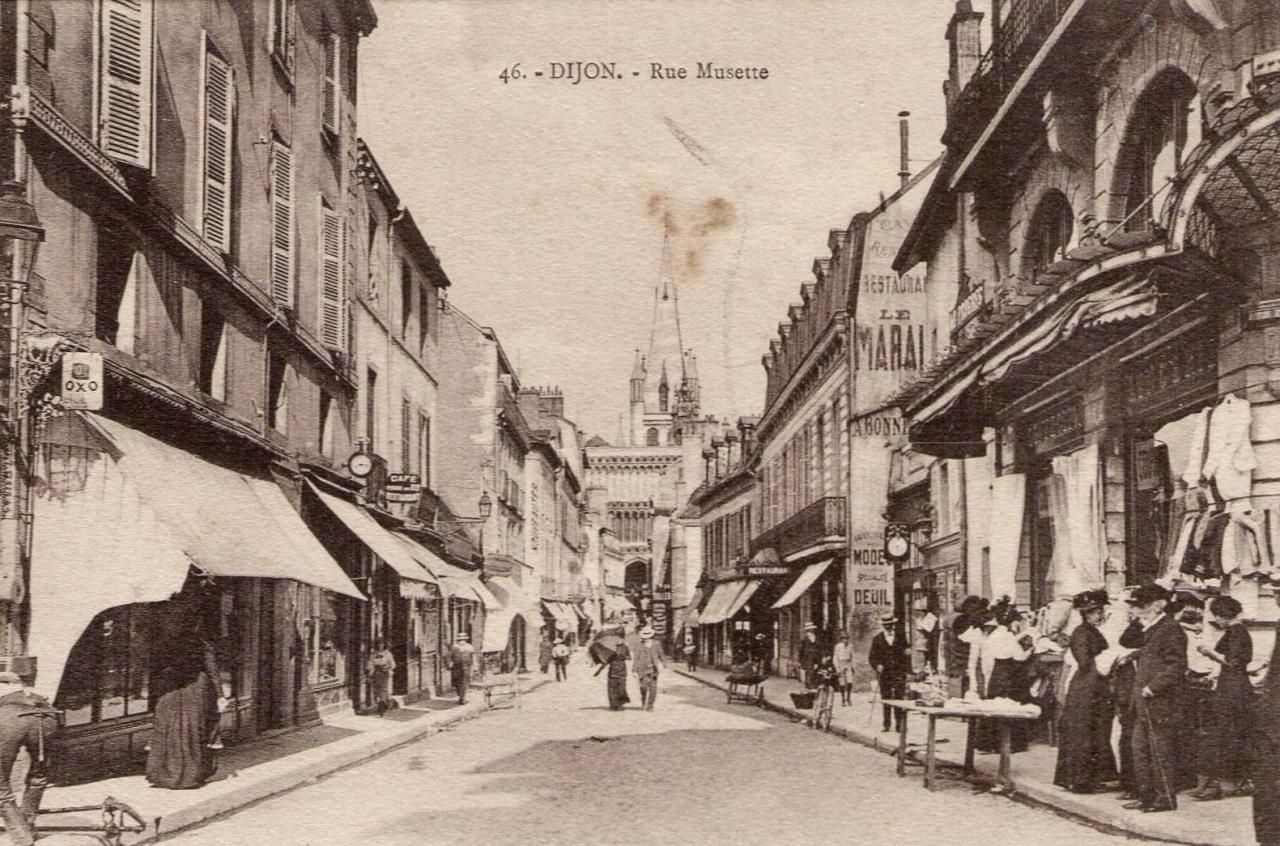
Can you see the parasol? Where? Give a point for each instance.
(603, 645)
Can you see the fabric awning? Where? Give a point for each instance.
(1132, 297)
(721, 598)
(453, 582)
(513, 603)
(565, 620)
(617, 605)
(803, 582)
(577, 610)
(380, 541)
(748, 590)
(116, 523)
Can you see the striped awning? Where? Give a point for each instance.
(803, 582)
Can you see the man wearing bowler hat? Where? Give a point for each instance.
(1157, 686)
(891, 662)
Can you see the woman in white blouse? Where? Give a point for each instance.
(1005, 652)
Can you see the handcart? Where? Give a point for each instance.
(118, 819)
(747, 688)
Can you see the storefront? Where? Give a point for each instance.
(153, 568)
(510, 627)
(815, 595)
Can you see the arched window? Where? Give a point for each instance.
(1165, 126)
(663, 394)
(651, 437)
(1048, 235)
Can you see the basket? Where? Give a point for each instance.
(804, 701)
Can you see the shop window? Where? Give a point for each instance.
(1164, 128)
(213, 353)
(116, 296)
(326, 633)
(1048, 235)
(108, 673)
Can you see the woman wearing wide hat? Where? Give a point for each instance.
(1085, 759)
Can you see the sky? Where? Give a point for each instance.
(548, 203)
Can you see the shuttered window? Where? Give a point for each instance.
(332, 88)
(126, 85)
(282, 37)
(282, 224)
(333, 294)
(219, 109)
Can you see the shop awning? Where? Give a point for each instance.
(380, 541)
(565, 619)
(748, 590)
(118, 522)
(803, 582)
(512, 603)
(721, 598)
(453, 582)
(617, 606)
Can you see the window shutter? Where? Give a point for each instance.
(282, 224)
(332, 295)
(332, 89)
(126, 84)
(219, 106)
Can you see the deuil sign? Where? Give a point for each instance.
(82, 381)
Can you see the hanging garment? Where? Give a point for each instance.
(1079, 548)
(1230, 459)
(1193, 472)
(1008, 504)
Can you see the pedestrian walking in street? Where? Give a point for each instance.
(382, 665)
(184, 726)
(1229, 728)
(544, 654)
(811, 653)
(560, 655)
(646, 664)
(617, 676)
(1157, 695)
(890, 661)
(1085, 759)
(690, 652)
(25, 723)
(462, 657)
(1265, 747)
(842, 658)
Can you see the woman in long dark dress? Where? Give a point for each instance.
(1265, 742)
(618, 677)
(184, 729)
(1085, 759)
(1232, 701)
(1010, 677)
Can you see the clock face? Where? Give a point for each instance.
(897, 546)
(360, 464)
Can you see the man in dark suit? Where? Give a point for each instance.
(1157, 687)
(891, 662)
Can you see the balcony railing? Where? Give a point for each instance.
(973, 307)
(822, 520)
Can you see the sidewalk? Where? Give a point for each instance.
(1227, 822)
(266, 766)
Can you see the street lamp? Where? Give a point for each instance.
(20, 238)
(485, 507)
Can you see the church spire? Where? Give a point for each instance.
(665, 361)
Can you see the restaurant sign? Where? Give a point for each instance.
(403, 487)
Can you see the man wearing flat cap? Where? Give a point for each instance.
(891, 661)
(1157, 687)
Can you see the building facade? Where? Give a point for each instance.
(1114, 282)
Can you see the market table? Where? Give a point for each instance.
(1004, 722)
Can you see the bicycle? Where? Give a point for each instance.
(118, 819)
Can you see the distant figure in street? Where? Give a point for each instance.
(560, 655)
(646, 663)
(461, 658)
(617, 677)
(690, 652)
(1157, 701)
(811, 653)
(842, 659)
(26, 720)
(184, 730)
(381, 666)
(890, 660)
(1085, 759)
(544, 655)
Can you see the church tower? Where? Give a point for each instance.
(635, 435)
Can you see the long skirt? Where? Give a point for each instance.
(618, 686)
(1230, 751)
(1009, 679)
(182, 728)
(1085, 758)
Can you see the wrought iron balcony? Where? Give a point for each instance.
(972, 308)
(824, 520)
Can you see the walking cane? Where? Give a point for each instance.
(1168, 791)
(875, 697)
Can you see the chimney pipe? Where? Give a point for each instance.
(904, 131)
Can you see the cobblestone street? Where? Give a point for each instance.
(564, 769)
